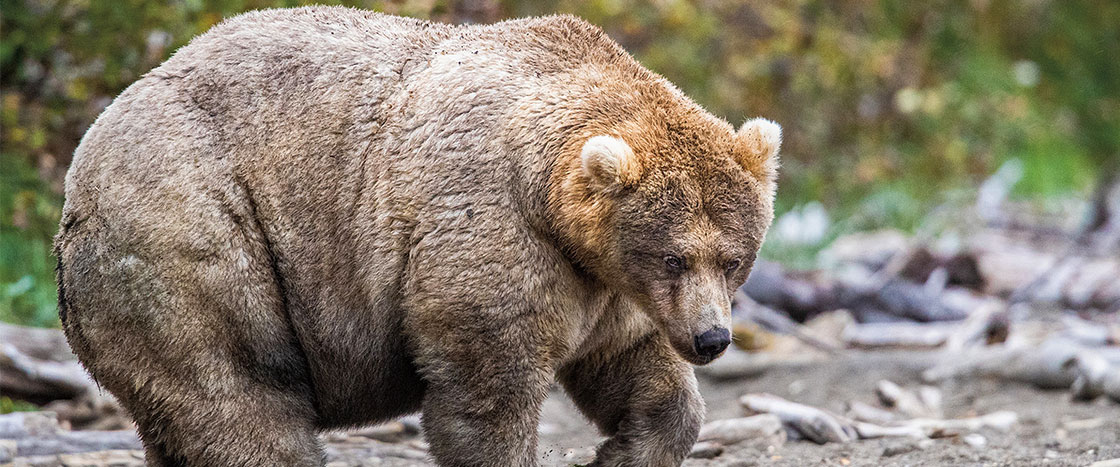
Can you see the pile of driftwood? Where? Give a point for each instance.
(995, 298)
(913, 414)
(883, 276)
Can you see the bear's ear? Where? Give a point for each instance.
(608, 160)
(756, 147)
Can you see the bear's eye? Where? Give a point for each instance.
(733, 265)
(674, 263)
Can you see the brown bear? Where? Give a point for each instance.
(319, 218)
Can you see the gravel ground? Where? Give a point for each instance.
(1052, 429)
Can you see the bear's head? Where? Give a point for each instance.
(673, 218)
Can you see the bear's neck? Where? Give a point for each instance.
(556, 199)
(546, 134)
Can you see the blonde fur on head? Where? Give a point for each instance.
(608, 160)
(759, 142)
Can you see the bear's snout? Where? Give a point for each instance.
(712, 342)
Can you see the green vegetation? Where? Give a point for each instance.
(9, 405)
(30, 211)
(889, 108)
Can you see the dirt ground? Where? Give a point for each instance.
(1052, 430)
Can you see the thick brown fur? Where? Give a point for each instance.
(323, 217)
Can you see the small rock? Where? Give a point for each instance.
(975, 440)
(796, 387)
(750, 336)
(705, 450)
(411, 424)
(579, 455)
(906, 446)
(899, 449)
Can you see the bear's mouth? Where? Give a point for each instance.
(701, 360)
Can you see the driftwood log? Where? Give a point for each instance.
(988, 324)
(868, 296)
(40, 381)
(815, 424)
(1095, 375)
(923, 403)
(734, 430)
(1058, 363)
(36, 366)
(822, 426)
(41, 434)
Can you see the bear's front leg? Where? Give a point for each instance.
(486, 381)
(645, 398)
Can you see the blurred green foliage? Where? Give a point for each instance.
(30, 212)
(9, 405)
(888, 106)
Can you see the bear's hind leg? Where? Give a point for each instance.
(644, 398)
(157, 455)
(197, 350)
(187, 428)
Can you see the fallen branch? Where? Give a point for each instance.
(822, 426)
(936, 427)
(734, 430)
(36, 365)
(898, 335)
(925, 403)
(868, 413)
(39, 433)
(866, 294)
(815, 424)
(37, 380)
(1043, 366)
(39, 343)
(1095, 376)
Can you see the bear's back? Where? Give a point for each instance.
(259, 46)
(293, 103)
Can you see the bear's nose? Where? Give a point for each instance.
(712, 342)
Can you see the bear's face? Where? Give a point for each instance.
(684, 227)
